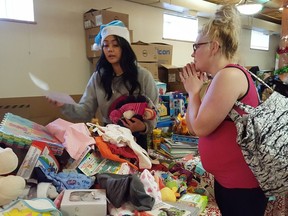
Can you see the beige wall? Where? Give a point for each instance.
(54, 48)
(250, 57)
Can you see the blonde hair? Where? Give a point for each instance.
(225, 28)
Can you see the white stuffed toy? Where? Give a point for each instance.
(46, 190)
(11, 186)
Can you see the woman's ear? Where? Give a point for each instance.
(215, 47)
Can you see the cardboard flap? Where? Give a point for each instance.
(140, 43)
(167, 66)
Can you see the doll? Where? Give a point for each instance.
(132, 107)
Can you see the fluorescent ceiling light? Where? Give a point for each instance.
(249, 9)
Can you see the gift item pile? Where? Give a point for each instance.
(63, 168)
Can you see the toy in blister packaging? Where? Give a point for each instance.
(179, 103)
(180, 125)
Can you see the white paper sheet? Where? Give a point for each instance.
(56, 96)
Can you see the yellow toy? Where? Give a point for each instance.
(180, 125)
(11, 186)
(167, 194)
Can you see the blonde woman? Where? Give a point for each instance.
(237, 191)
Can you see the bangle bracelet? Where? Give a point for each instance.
(145, 130)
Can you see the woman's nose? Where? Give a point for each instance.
(110, 48)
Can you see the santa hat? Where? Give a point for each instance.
(116, 27)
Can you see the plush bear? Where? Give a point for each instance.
(11, 186)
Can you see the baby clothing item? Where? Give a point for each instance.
(36, 206)
(125, 152)
(150, 185)
(66, 180)
(126, 209)
(75, 137)
(106, 152)
(116, 134)
(58, 127)
(123, 188)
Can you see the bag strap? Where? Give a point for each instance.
(234, 115)
(252, 74)
(245, 107)
(260, 80)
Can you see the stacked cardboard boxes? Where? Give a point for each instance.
(167, 73)
(152, 55)
(164, 53)
(146, 56)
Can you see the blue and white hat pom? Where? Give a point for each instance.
(116, 27)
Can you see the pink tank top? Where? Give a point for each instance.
(221, 155)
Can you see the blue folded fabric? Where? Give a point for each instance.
(69, 180)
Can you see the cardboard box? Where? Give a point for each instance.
(84, 202)
(194, 200)
(145, 52)
(90, 35)
(94, 18)
(36, 109)
(178, 87)
(152, 67)
(164, 53)
(170, 74)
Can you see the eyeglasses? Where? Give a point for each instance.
(197, 45)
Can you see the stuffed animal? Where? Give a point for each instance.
(46, 190)
(130, 107)
(39, 190)
(11, 186)
(167, 194)
(145, 114)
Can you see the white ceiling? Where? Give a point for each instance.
(202, 8)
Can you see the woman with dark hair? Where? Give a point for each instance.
(117, 76)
